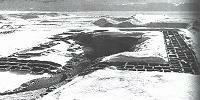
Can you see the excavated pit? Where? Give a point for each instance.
(95, 46)
(101, 44)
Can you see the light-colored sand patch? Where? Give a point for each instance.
(150, 18)
(154, 46)
(11, 81)
(21, 40)
(57, 54)
(125, 85)
(30, 95)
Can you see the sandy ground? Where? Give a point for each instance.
(30, 95)
(126, 85)
(107, 83)
(11, 81)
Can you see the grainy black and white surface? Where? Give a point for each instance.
(99, 49)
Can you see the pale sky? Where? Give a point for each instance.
(77, 5)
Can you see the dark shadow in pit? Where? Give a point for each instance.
(97, 45)
(101, 44)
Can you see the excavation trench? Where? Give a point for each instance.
(98, 45)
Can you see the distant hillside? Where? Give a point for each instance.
(93, 5)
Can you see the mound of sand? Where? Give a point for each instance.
(126, 24)
(121, 19)
(103, 23)
(123, 24)
(49, 14)
(123, 58)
